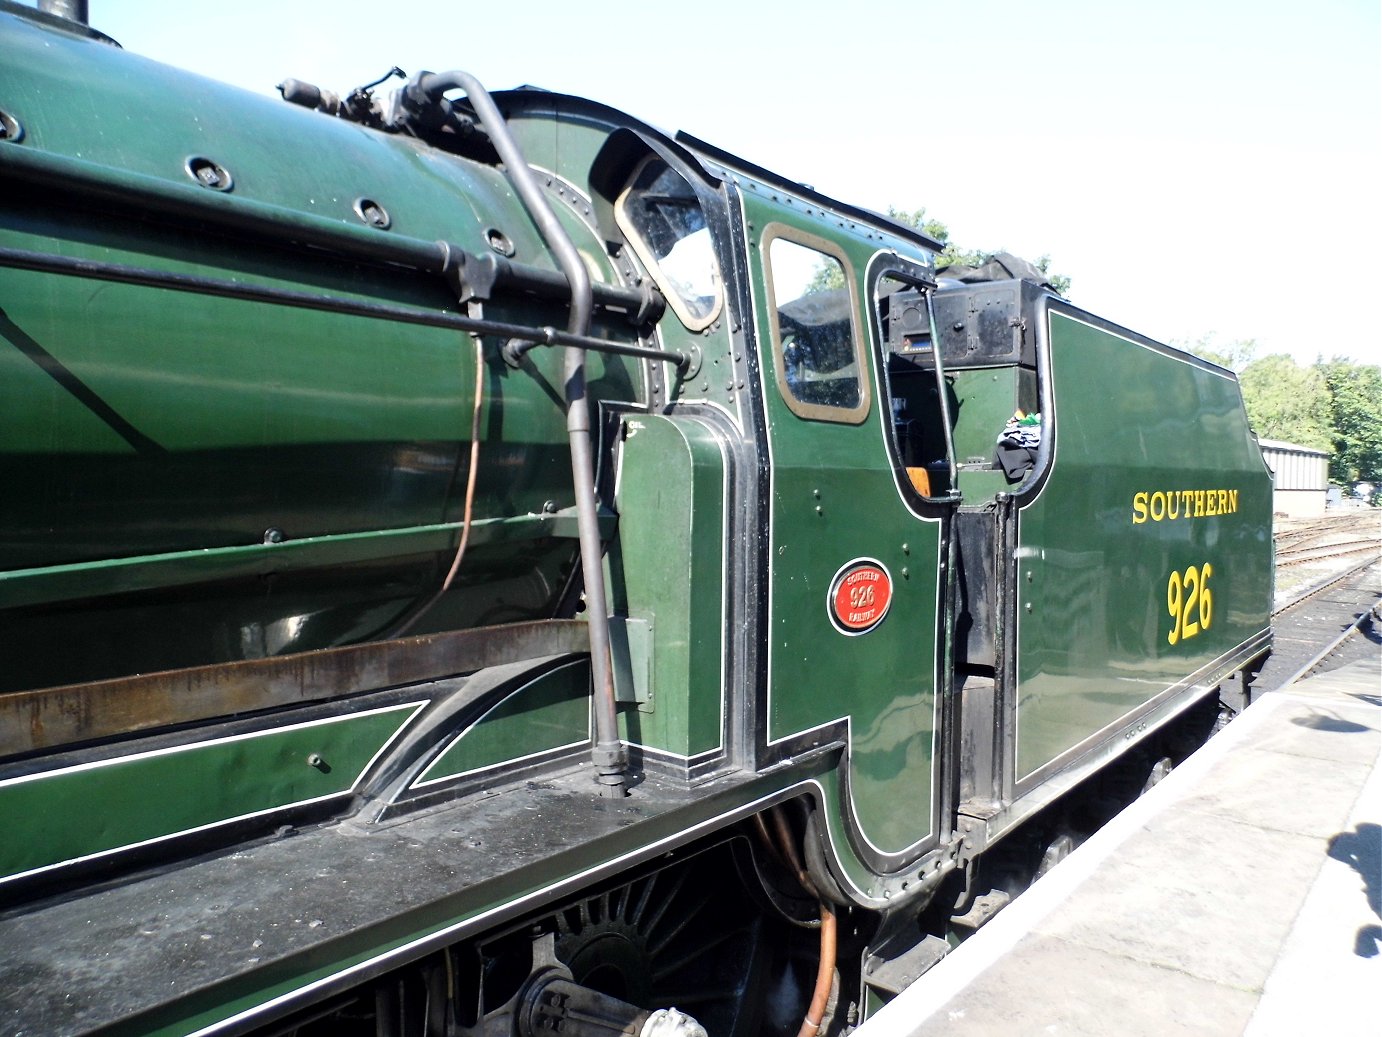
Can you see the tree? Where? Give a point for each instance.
(1287, 401)
(1060, 282)
(1355, 411)
(917, 218)
(1233, 355)
(1334, 405)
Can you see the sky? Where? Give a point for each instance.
(1198, 168)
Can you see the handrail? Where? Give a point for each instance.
(611, 761)
(523, 333)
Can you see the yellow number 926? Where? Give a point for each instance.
(1190, 602)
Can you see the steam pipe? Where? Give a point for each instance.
(611, 762)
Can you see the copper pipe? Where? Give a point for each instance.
(760, 827)
(788, 847)
(410, 620)
(825, 975)
(474, 465)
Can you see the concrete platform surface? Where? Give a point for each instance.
(1239, 896)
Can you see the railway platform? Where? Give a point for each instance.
(1238, 896)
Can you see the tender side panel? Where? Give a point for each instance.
(1144, 562)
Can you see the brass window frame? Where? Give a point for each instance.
(650, 263)
(859, 413)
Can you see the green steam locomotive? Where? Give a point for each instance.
(479, 564)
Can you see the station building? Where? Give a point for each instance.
(1301, 478)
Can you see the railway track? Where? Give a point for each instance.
(1315, 620)
(1298, 555)
(1291, 537)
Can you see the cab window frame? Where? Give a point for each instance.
(809, 410)
(921, 278)
(648, 257)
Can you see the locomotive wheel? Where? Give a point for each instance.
(686, 936)
(683, 934)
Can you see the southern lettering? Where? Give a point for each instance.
(1167, 505)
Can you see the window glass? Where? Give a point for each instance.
(666, 225)
(817, 346)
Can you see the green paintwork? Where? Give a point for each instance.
(835, 499)
(982, 485)
(155, 439)
(548, 713)
(667, 569)
(631, 652)
(1092, 584)
(111, 107)
(124, 575)
(985, 399)
(95, 808)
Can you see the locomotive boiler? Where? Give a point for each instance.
(480, 564)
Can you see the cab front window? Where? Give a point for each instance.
(665, 223)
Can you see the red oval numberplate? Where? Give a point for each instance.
(859, 596)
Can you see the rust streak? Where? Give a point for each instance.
(49, 717)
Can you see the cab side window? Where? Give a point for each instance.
(818, 349)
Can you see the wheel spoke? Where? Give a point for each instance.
(685, 918)
(666, 966)
(637, 917)
(666, 902)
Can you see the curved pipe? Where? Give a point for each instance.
(611, 762)
(514, 351)
(787, 847)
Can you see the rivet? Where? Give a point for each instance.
(208, 173)
(372, 213)
(10, 127)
